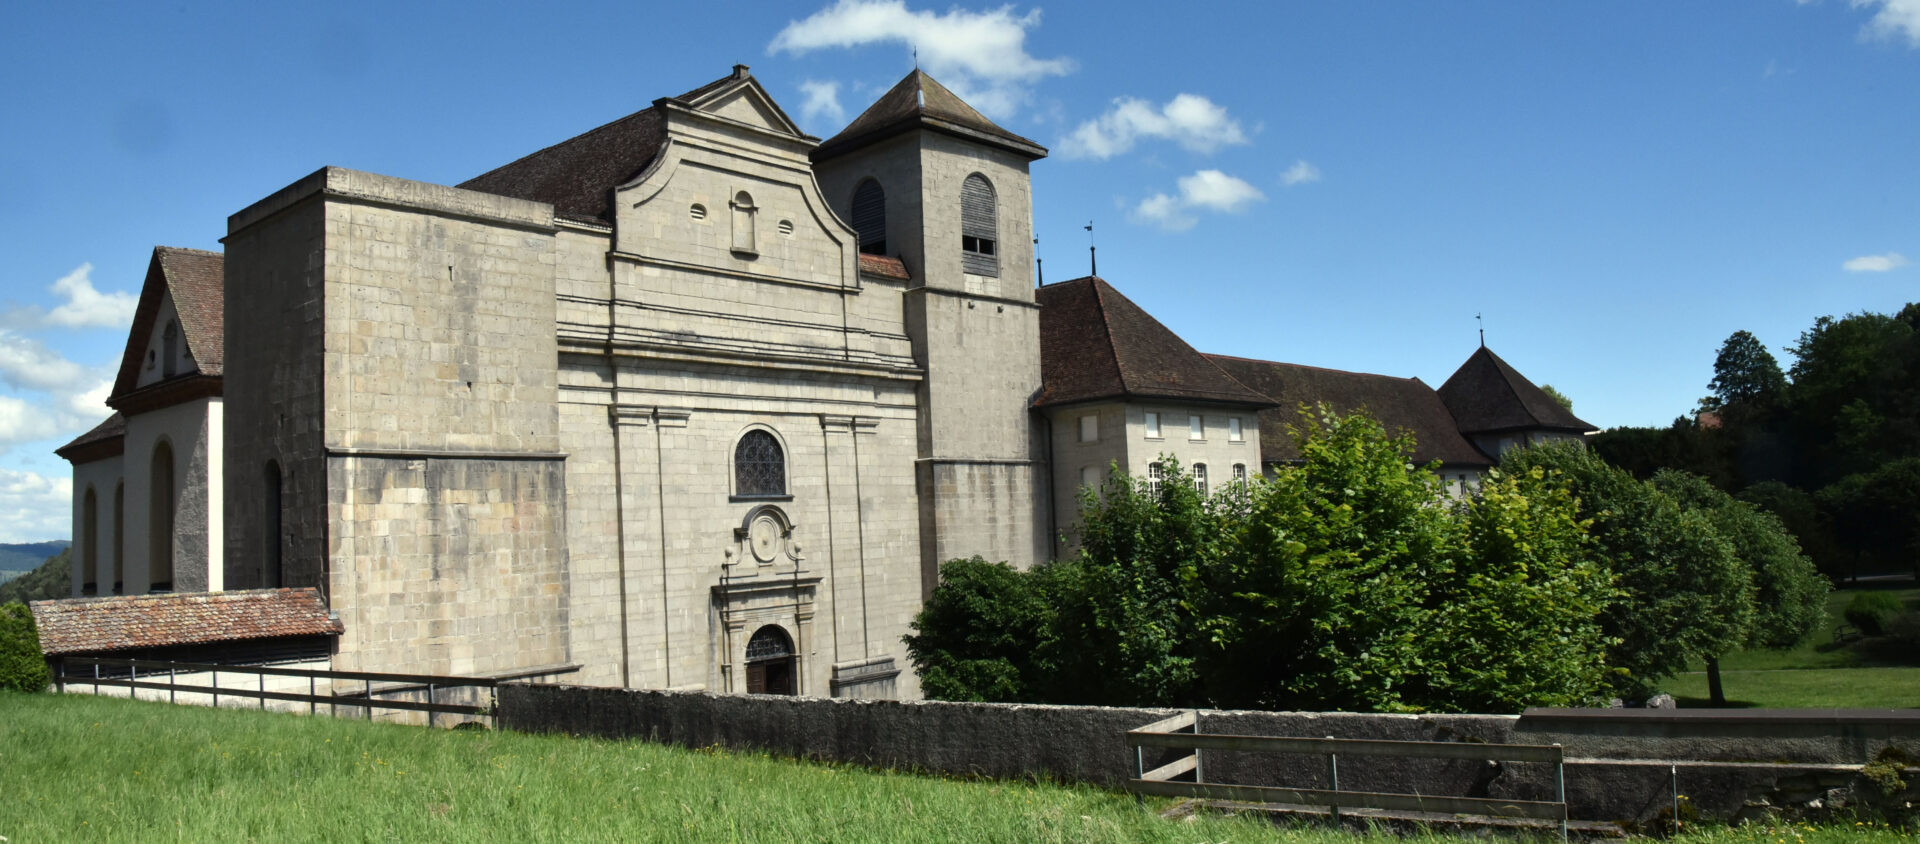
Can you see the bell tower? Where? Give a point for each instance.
(928, 181)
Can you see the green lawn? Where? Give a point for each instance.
(80, 768)
(1806, 688)
(1819, 674)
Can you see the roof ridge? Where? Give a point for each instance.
(189, 249)
(562, 142)
(1319, 368)
(1106, 328)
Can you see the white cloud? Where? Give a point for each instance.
(982, 56)
(34, 507)
(89, 308)
(27, 364)
(1875, 263)
(21, 422)
(1209, 190)
(1190, 120)
(1893, 19)
(89, 406)
(823, 102)
(1300, 173)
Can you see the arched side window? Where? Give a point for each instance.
(979, 227)
(119, 536)
(759, 466)
(90, 543)
(1240, 473)
(1156, 474)
(743, 211)
(170, 349)
(870, 217)
(1200, 479)
(770, 662)
(270, 562)
(160, 520)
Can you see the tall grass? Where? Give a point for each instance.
(81, 768)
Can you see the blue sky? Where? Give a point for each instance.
(1616, 186)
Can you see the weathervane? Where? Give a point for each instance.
(1039, 272)
(1483, 330)
(1093, 257)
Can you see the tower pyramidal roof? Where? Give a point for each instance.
(921, 102)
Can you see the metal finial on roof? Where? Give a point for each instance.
(1039, 272)
(1483, 330)
(1093, 256)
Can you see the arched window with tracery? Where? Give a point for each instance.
(979, 227)
(759, 465)
(870, 217)
(771, 662)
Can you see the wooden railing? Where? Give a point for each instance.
(153, 675)
(1183, 732)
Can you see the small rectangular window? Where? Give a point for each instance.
(1233, 430)
(1195, 430)
(1089, 428)
(1155, 474)
(1200, 479)
(1153, 426)
(1090, 476)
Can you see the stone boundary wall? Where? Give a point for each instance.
(1620, 768)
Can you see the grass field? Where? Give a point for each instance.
(1821, 673)
(80, 768)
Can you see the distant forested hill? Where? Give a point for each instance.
(20, 558)
(52, 579)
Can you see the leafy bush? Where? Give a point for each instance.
(1870, 612)
(22, 667)
(976, 637)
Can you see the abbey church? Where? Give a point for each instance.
(691, 400)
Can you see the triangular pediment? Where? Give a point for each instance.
(742, 99)
(179, 310)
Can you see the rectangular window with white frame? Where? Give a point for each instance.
(1200, 479)
(1196, 429)
(1090, 428)
(1234, 434)
(1153, 425)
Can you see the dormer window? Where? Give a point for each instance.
(979, 227)
(870, 217)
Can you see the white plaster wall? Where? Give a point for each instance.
(102, 476)
(198, 553)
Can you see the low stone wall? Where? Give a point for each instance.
(1621, 767)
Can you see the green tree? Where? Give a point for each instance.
(22, 667)
(1745, 374)
(976, 637)
(1685, 594)
(1876, 517)
(1789, 596)
(1802, 517)
(53, 579)
(1516, 620)
(1855, 397)
(1324, 606)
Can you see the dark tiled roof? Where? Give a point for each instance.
(1486, 395)
(195, 278)
(1097, 344)
(883, 266)
(1401, 404)
(97, 625)
(920, 101)
(110, 431)
(577, 176)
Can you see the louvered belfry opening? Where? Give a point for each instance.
(770, 662)
(979, 227)
(870, 217)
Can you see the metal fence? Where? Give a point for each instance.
(173, 678)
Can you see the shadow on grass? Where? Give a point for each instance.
(1707, 703)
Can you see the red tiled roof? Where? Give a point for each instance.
(1401, 404)
(1098, 344)
(1486, 395)
(106, 438)
(126, 622)
(195, 279)
(918, 101)
(883, 266)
